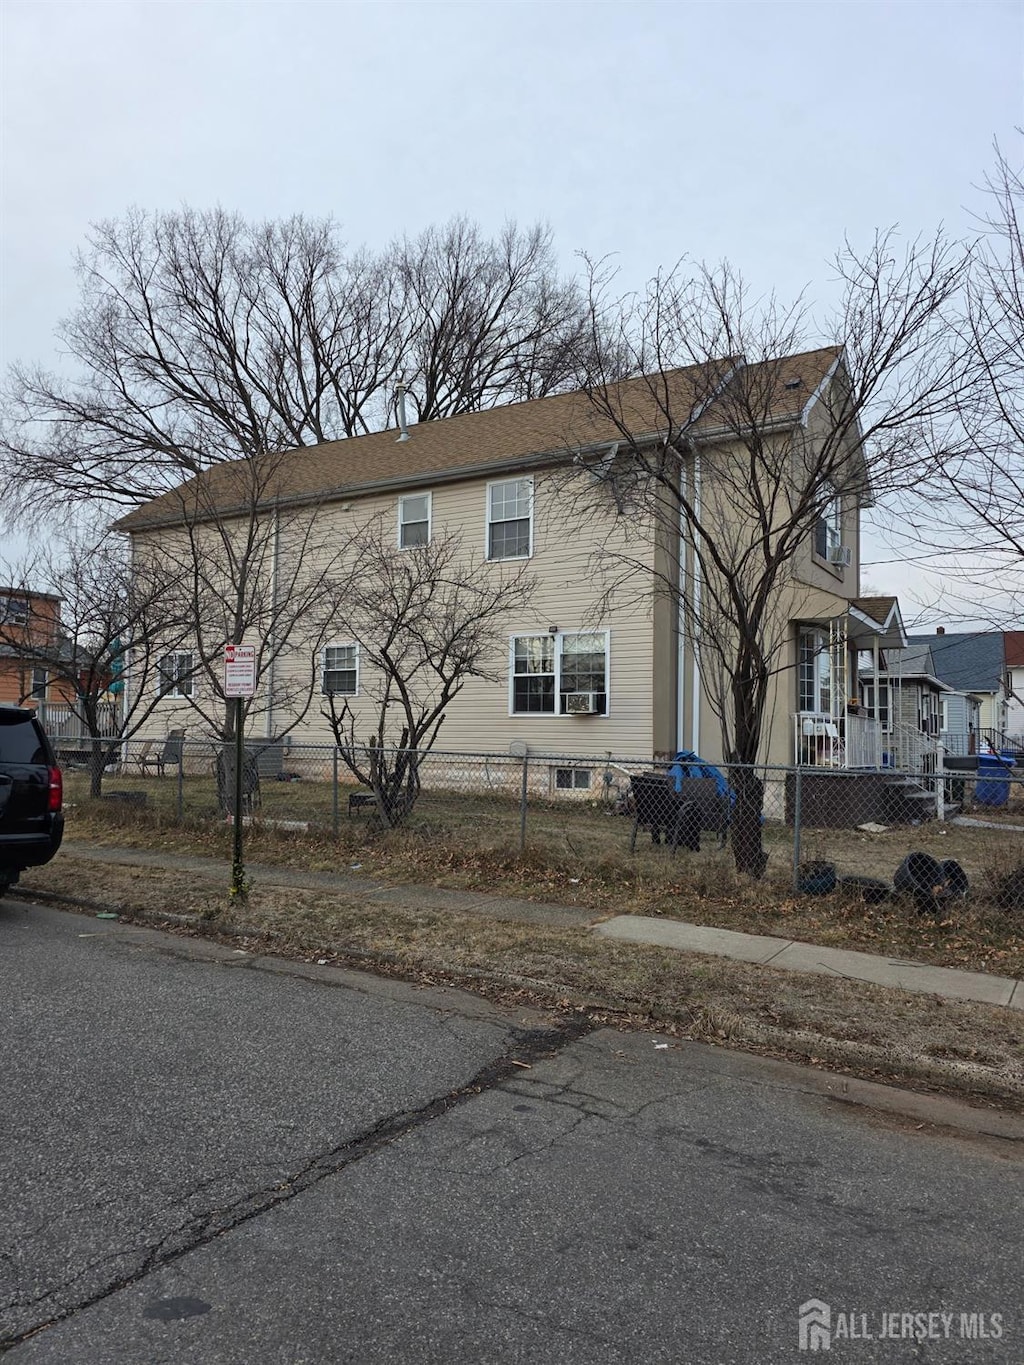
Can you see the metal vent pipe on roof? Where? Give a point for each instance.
(403, 424)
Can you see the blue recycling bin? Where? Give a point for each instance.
(993, 785)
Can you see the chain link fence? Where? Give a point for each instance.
(929, 834)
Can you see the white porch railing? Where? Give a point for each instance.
(823, 741)
(61, 723)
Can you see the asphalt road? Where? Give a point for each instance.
(206, 1157)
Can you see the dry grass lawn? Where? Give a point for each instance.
(974, 1051)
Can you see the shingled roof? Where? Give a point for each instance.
(968, 662)
(517, 436)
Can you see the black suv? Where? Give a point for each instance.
(31, 794)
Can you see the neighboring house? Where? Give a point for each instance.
(29, 631)
(920, 713)
(1013, 651)
(973, 663)
(576, 679)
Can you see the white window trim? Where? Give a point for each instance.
(407, 497)
(338, 644)
(558, 637)
(172, 693)
(507, 559)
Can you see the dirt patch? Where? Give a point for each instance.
(970, 1050)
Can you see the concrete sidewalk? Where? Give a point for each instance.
(761, 949)
(794, 956)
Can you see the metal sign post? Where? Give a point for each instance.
(239, 683)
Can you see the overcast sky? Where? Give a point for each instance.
(762, 133)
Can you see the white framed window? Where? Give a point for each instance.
(414, 521)
(340, 671)
(175, 675)
(828, 530)
(545, 670)
(510, 519)
(40, 681)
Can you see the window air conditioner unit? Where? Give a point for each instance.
(581, 703)
(841, 555)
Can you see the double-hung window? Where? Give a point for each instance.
(828, 530)
(510, 519)
(414, 521)
(547, 669)
(175, 675)
(340, 674)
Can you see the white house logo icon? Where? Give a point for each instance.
(815, 1326)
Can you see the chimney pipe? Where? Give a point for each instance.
(402, 423)
(940, 630)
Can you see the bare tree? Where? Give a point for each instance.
(725, 468)
(201, 337)
(247, 568)
(105, 611)
(424, 621)
(972, 502)
(491, 320)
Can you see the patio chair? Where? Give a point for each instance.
(145, 757)
(173, 750)
(167, 756)
(658, 808)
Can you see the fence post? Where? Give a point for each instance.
(181, 783)
(940, 784)
(522, 807)
(797, 816)
(334, 791)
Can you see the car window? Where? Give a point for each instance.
(21, 741)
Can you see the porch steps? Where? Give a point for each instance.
(907, 802)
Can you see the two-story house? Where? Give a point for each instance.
(583, 672)
(29, 638)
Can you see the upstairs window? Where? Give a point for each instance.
(174, 672)
(828, 529)
(414, 521)
(340, 674)
(14, 611)
(510, 519)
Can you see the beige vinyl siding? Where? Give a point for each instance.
(566, 596)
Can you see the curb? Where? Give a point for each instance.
(704, 1025)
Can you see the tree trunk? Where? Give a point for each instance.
(747, 830)
(97, 763)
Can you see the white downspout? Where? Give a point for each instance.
(269, 727)
(695, 616)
